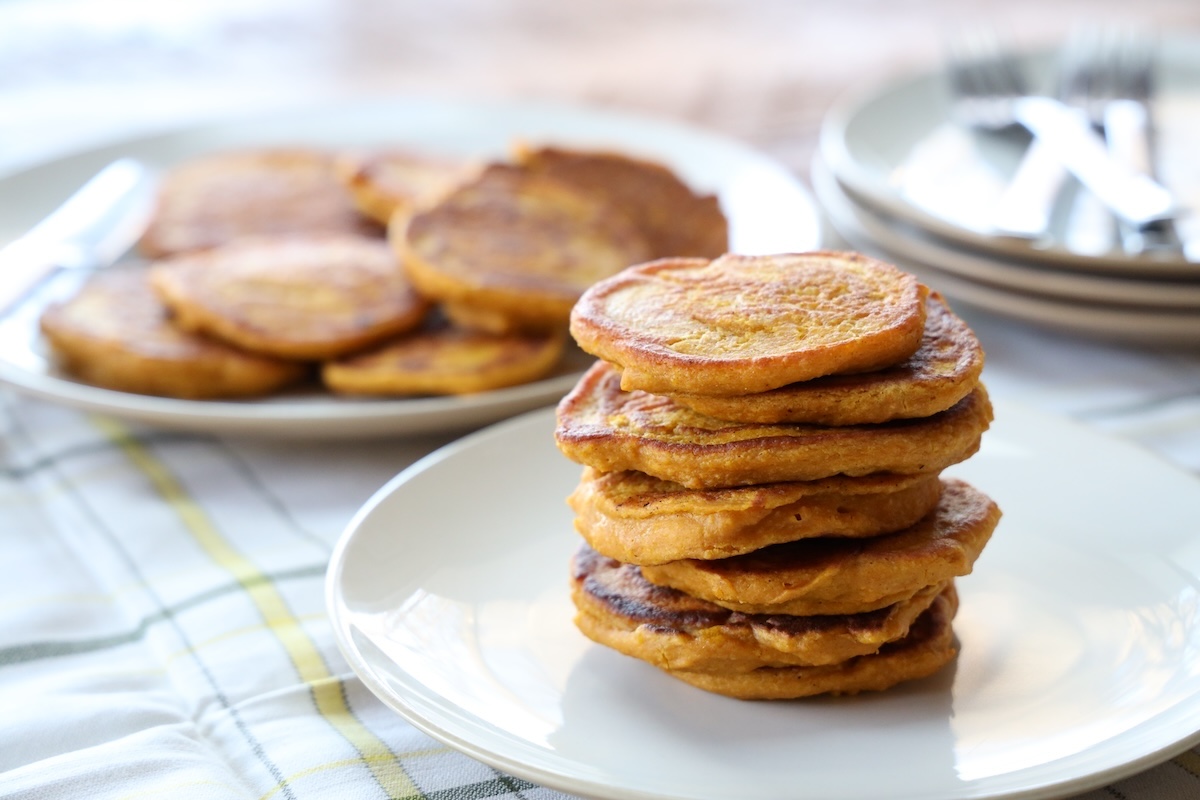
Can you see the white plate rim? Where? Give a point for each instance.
(710, 161)
(1128, 324)
(867, 186)
(1042, 788)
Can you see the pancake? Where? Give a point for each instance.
(927, 648)
(603, 427)
(488, 320)
(638, 519)
(945, 368)
(516, 243)
(618, 608)
(443, 359)
(296, 297)
(741, 324)
(384, 183)
(675, 220)
(116, 333)
(844, 576)
(216, 198)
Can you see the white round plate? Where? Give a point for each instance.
(1089, 305)
(904, 239)
(1079, 637)
(768, 210)
(894, 147)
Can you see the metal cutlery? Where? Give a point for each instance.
(91, 230)
(991, 93)
(1117, 82)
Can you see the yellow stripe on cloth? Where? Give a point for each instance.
(305, 656)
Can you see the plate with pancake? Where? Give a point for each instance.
(768, 210)
(1078, 636)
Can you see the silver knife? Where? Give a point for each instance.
(91, 230)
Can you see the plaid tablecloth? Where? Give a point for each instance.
(162, 627)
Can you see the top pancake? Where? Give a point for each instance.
(674, 220)
(216, 198)
(945, 368)
(744, 324)
(517, 243)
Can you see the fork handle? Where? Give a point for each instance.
(1132, 195)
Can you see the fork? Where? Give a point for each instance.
(990, 94)
(1115, 85)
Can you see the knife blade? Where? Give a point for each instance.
(91, 230)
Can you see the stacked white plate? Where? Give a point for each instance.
(898, 177)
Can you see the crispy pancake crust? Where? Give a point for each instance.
(214, 199)
(927, 648)
(295, 297)
(638, 519)
(518, 243)
(443, 359)
(844, 576)
(603, 427)
(384, 183)
(116, 333)
(741, 324)
(945, 368)
(618, 608)
(674, 220)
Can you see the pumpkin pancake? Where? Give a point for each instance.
(945, 368)
(639, 519)
(214, 199)
(443, 359)
(675, 220)
(741, 324)
(296, 297)
(620, 609)
(478, 318)
(383, 183)
(517, 243)
(604, 427)
(927, 648)
(844, 576)
(116, 333)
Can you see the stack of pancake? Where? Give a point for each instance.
(761, 500)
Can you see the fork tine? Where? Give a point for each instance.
(984, 77)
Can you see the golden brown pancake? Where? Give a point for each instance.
(308, 297)
(444, 359)
(116, 333)
(383, 183)
(675, 220)
(604, 427)
(488, 320)
(216, 198)
(618, 608)
(844, 576)
(741, 324)
(927, 648)
(945, 368)
(639, 519)
(520, 244)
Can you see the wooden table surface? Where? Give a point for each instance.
(74, 72)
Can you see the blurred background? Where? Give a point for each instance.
(79, 72)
